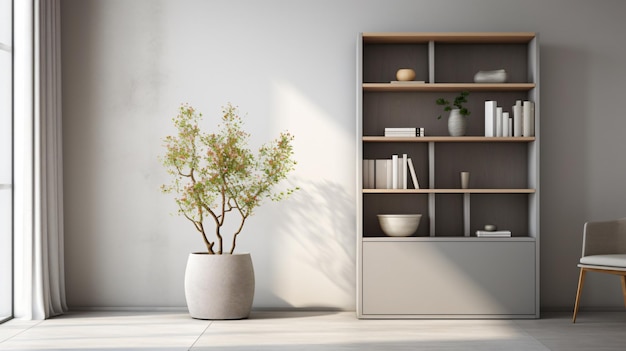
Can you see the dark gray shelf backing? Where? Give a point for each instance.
(491, 165)
(374, 204)
(449, 215)
(506, 211)
(382, 61)
(457, 63)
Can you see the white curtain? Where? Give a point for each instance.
(39, 269)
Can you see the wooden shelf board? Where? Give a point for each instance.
(448, 191)
(447, 139)
(452, 37)
(445, 238)
(448, 87)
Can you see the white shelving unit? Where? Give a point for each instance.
(445, 271)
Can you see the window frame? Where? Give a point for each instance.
(8, 47)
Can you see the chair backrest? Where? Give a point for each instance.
(606, 237)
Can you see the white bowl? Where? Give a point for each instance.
(399, 224)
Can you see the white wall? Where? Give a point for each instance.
(127, 65)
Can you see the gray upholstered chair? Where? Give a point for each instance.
(604, 251)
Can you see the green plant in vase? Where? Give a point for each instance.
(456, 104)
(216, 175)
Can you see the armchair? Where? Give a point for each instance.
(604, 251)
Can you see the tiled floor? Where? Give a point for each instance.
(282, 331)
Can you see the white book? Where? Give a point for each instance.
(490, 118)
(366, 175)
(369, 176)
(401, 129)
(404, 171)
(389, 173)
(399, 134)
(505, 124)
(372, 174)
(493, 234)
(510, 126)
(413, 175)
(518, 120)
(394, 173)
(529, 118)
(381, 174)
(498, 121)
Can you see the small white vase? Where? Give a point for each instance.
(457, 124)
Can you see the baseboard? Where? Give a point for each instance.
(127, 309)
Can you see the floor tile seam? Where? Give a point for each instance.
(22, 331)
(523, 330)
(199, 336)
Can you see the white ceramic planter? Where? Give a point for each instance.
(456, 123)
(219, 286)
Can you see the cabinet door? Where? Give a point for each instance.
(449, 278)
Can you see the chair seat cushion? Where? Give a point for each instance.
(612, 260)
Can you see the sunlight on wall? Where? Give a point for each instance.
(317, 240)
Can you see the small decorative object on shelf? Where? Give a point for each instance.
(465, 180)
(490, 227)
(495, 76)
(399, 224)
(405, 74)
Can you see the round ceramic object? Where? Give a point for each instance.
(490, 227)
(219, 286)
(405, 74)
(399, 224)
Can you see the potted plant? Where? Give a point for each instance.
(215, 176)
(457, 123)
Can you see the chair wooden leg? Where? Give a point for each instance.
(581, 282)
(624, 288)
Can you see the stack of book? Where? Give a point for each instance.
(392, 173)
(404, 132)
(521, 122)
(400, 132)
(493, 234)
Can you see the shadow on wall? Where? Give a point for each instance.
(318, 228)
